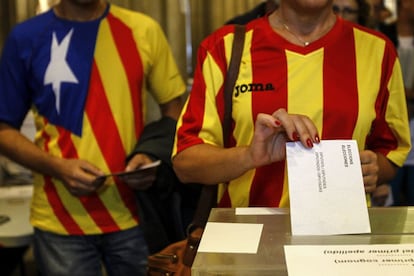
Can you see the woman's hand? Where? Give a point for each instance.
(273, 131)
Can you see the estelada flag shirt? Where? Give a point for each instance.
(348, 83)
(87, 84)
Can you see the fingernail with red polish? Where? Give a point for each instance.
(309, 143)
(317, 139)
(295, 136)
(278, 123)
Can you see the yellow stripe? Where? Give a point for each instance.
(284, 201)
(213, 80)
(368, 89)
(302, 99)
(396, 115)
(89, 151)
(110, 67)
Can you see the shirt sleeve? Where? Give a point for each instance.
(14, 91)
(164, 79)
(202, 117)
(390, 134)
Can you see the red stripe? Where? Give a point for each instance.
(271, 194)
(381, 137)
(127, 50)
(103, 124)
(340, 94)
(54, 200)
(92, 203)
(225, 201)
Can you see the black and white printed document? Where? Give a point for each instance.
(326, 189)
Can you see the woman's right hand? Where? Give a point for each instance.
(273, 131)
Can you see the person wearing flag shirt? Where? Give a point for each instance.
(305, 75)
(85, 68)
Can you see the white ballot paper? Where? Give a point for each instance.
(326, 189)
(355, 260)
(258, 211)
(231, 237)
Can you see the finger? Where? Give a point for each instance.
(90, 169)
(310, 128)
(369, 184)
(137, 161)
(99, 181)
(298, 127)
(368, 157)
(305, 131)
(268, 121)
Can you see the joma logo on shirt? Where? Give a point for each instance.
(253, 87)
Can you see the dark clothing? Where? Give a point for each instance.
(167, 207)
(157, 140)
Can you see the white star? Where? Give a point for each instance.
(58, 70)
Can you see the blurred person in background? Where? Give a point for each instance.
(381, 19)
(356, 11)
(85, 68)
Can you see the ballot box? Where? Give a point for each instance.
(389, 225)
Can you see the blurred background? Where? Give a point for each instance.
(185, 22)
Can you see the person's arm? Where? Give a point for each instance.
(386, 169)
(208, 164)
(172, 108)
(77, 175)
